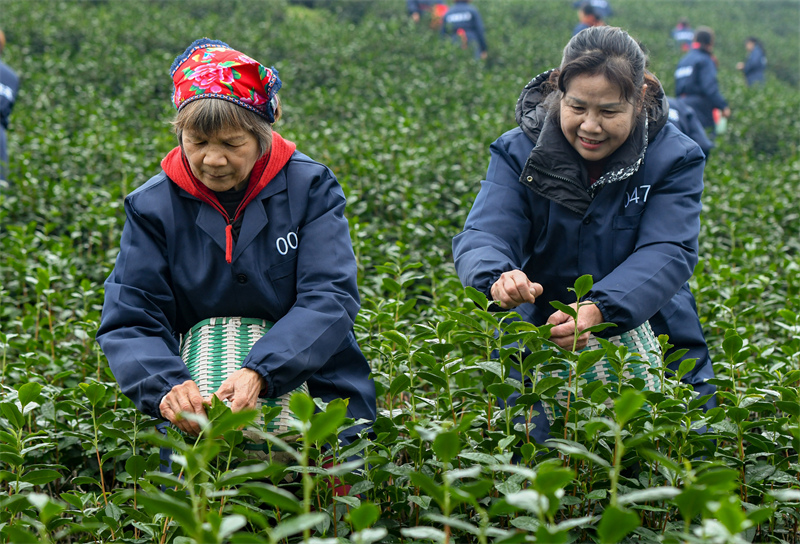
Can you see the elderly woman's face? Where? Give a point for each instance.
(595, 119)
(223, 160)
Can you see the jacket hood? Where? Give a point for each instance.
(554, 160)
(179, 172)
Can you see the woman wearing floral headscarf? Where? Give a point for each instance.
(238, 223)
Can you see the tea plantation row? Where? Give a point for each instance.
(405, 122)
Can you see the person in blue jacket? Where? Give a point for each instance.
(682, 116)
(588, 17)
(463, 24)
(434, 8)
(755, 66)
(238, 223)
(601, 7)
(9, 89)
(683, 34)
(696, 79)
(593, 181)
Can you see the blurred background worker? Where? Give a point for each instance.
(755, 66)
(588, 16)
(683, 116)
(601, 7)
(464, 25)
(433, 9)
(9, 87)
(683, 34)
(696, 79)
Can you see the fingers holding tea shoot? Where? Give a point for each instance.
(514, 288)
(563, 331)
(184, 397)
(242, 389)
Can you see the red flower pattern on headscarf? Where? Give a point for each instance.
(207, 75)
(211, 69)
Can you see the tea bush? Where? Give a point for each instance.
(405, 122)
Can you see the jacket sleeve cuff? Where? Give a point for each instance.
(156, 412)
(268, 391)
(488, 293)
(610, 331)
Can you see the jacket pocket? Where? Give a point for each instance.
(283, 281)
(625, 231)
(281, 270)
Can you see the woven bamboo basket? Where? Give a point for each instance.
(215, 348)
(642, 345)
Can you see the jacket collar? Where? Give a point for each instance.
(556, 171)
(265, 170)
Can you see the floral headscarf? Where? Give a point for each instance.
(212, 69)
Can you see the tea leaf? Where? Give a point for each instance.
(615, 523)
(160, 504)
(275, 496)
(40, 477)
(626, 405)
(296, 524)
(364, 516)
(28, 392)
(302, 406)
(649, 495)
(447, 445)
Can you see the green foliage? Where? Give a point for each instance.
(405, 123)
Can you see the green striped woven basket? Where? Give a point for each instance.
(215, 348)
(642, 345)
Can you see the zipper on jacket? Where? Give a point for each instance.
(560, 178)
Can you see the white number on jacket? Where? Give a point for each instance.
(285, 244)
(635, 196)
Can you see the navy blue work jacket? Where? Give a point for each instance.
(696, 84)
(755, 66)
(468, 18)
(601, 7)
(637, 238)
(293, 264)
(418, 6)
(9, 88)
(683, 116)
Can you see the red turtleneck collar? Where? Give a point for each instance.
(178, 170)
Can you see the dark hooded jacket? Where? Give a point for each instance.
(634, 230)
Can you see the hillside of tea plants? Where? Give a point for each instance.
(405, 121)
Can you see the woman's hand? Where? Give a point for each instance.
(241, 389)
(563, 333)
(514, 288)
(184, 397)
